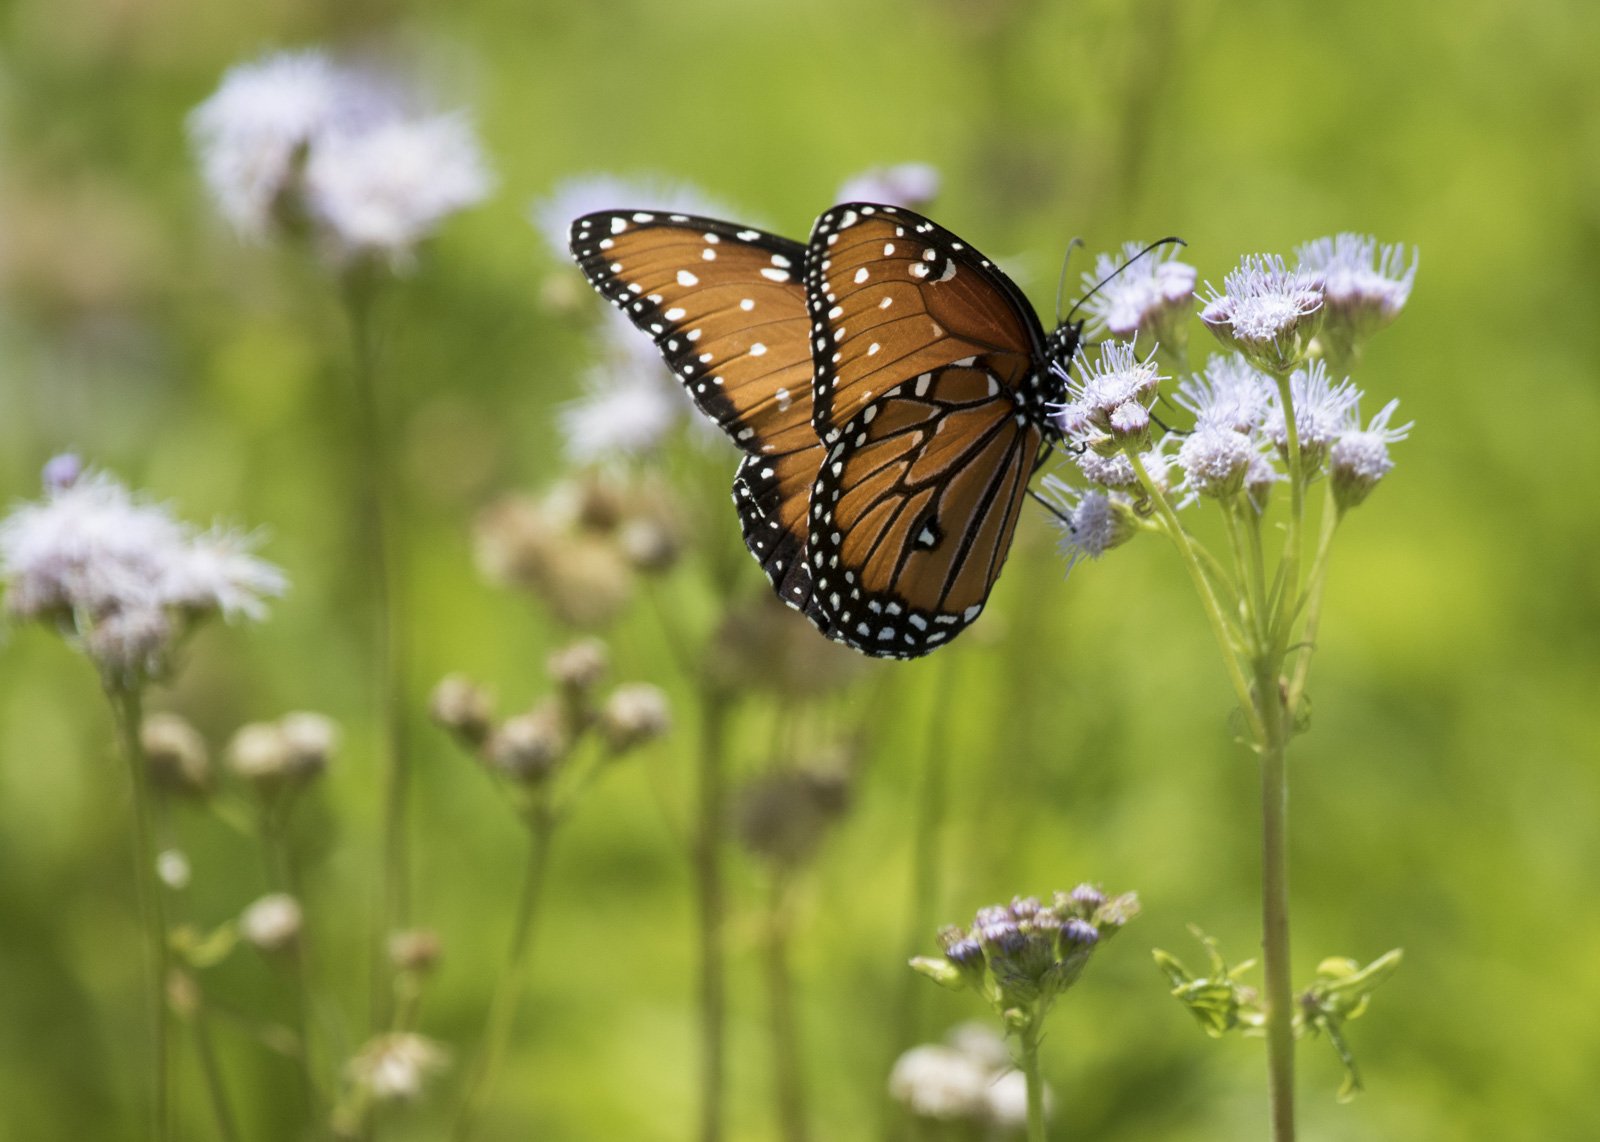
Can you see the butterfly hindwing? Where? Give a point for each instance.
(913, 511)
(893, 295)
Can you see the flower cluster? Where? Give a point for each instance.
(969, 1078)
(579, 547)
(912, 185)
(296, 140)
(535, 748)
(1021, 956)
(1141, 291)
(122, 576)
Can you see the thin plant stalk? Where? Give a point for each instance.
(1275, 902)
(1029, 1051)
(217, 1090)
(281, 878)
(508, 990)
(127, 704)
(711, 906)
(788, 1079)
(381, 555)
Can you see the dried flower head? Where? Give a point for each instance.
(580, 665)
(912, 185)
(415, 950)
(1140, 293)
(463, 707)
(176, 754)
(783, 816)
(272, 923)
(394, 1067)
(275, 756)
(634, 714)
(766, 646)
(528, 747)
(1266, 311)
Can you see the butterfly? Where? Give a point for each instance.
(891, 389)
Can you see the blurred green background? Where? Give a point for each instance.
(1446, 800)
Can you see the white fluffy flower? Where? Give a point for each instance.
(1322, 410)
(393, 1067)
(628, 414)
(1092, 521)
(272, 923)
(941, 1083)
(1359, 458)
(381, 190)
(119, 571)
(1266, 311)
(1139, 291)
(253, 133)
(912, 185)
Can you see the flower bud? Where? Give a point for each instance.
(259, 755)
(528, 747)
(580, 665)
(175, 754)
(463, 707)
(309, 740)
(415, 950)
(272, 923)
(634, 714)
(172, 867)
(393, 1067)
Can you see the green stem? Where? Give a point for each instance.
(226, 1130)
(379, 517)
(1288, 587)
(1221, 628)
(1312, 604)
(508, 990)
(281, 877)
(788, 1081)
(1253, 584)
(127, 705)
(709, 896)
(1029, 1036)
(1275, 902)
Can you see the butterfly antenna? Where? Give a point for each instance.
(1051, 508)
(1061, 282)
(1101, 284)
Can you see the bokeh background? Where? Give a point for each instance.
(1445, 801)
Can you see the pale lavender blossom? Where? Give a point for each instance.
(940, 1083)
(1091, 521)
(1099, 398)
(1322, 409)
(123, 574)
(912, 185)
(254, 132)
(380, 191)
(1266, 311)
(1365, 286)
(1359, 457)
(572, 198)
(1139, 292)
(1215, 460)
(1229, 394)
(627, 414)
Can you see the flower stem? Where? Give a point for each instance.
(788, 1081)
(503, 1006)
(709, 894)
(127, 705)
(1275, 902)
(389, 659)
(1029, 1036)
(1312, 603)
(220, 1108)
(281, 877)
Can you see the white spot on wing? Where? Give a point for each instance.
(685, 278)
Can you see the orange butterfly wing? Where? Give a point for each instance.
(725, 305)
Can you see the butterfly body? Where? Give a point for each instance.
(890, 387)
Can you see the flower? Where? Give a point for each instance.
(175, 754)
(940, 1083)
(1229, 394)
(1359, 457)
(393, 1067)
(123, 575)
(624, 411)
(634, 714)
(572, 198)
(912, 185)
(1364, 288)
(1266, 311)
(1215, 460)
(1022, 956)
(1321, 412)
(463, 707)
(1092, 521)
(1111, 396)
(296, 139)
(1140, 291)
(272, 923)
(255, 130)
(380, 190)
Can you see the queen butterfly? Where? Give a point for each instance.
(883, 506)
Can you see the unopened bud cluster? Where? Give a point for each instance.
(580, 547)
(1021, 956)
(283, 755)
(531, 747)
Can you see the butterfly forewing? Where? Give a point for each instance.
(725, 305)
(892, 296)
(914, 508)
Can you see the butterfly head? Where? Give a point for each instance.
(1060, 348)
